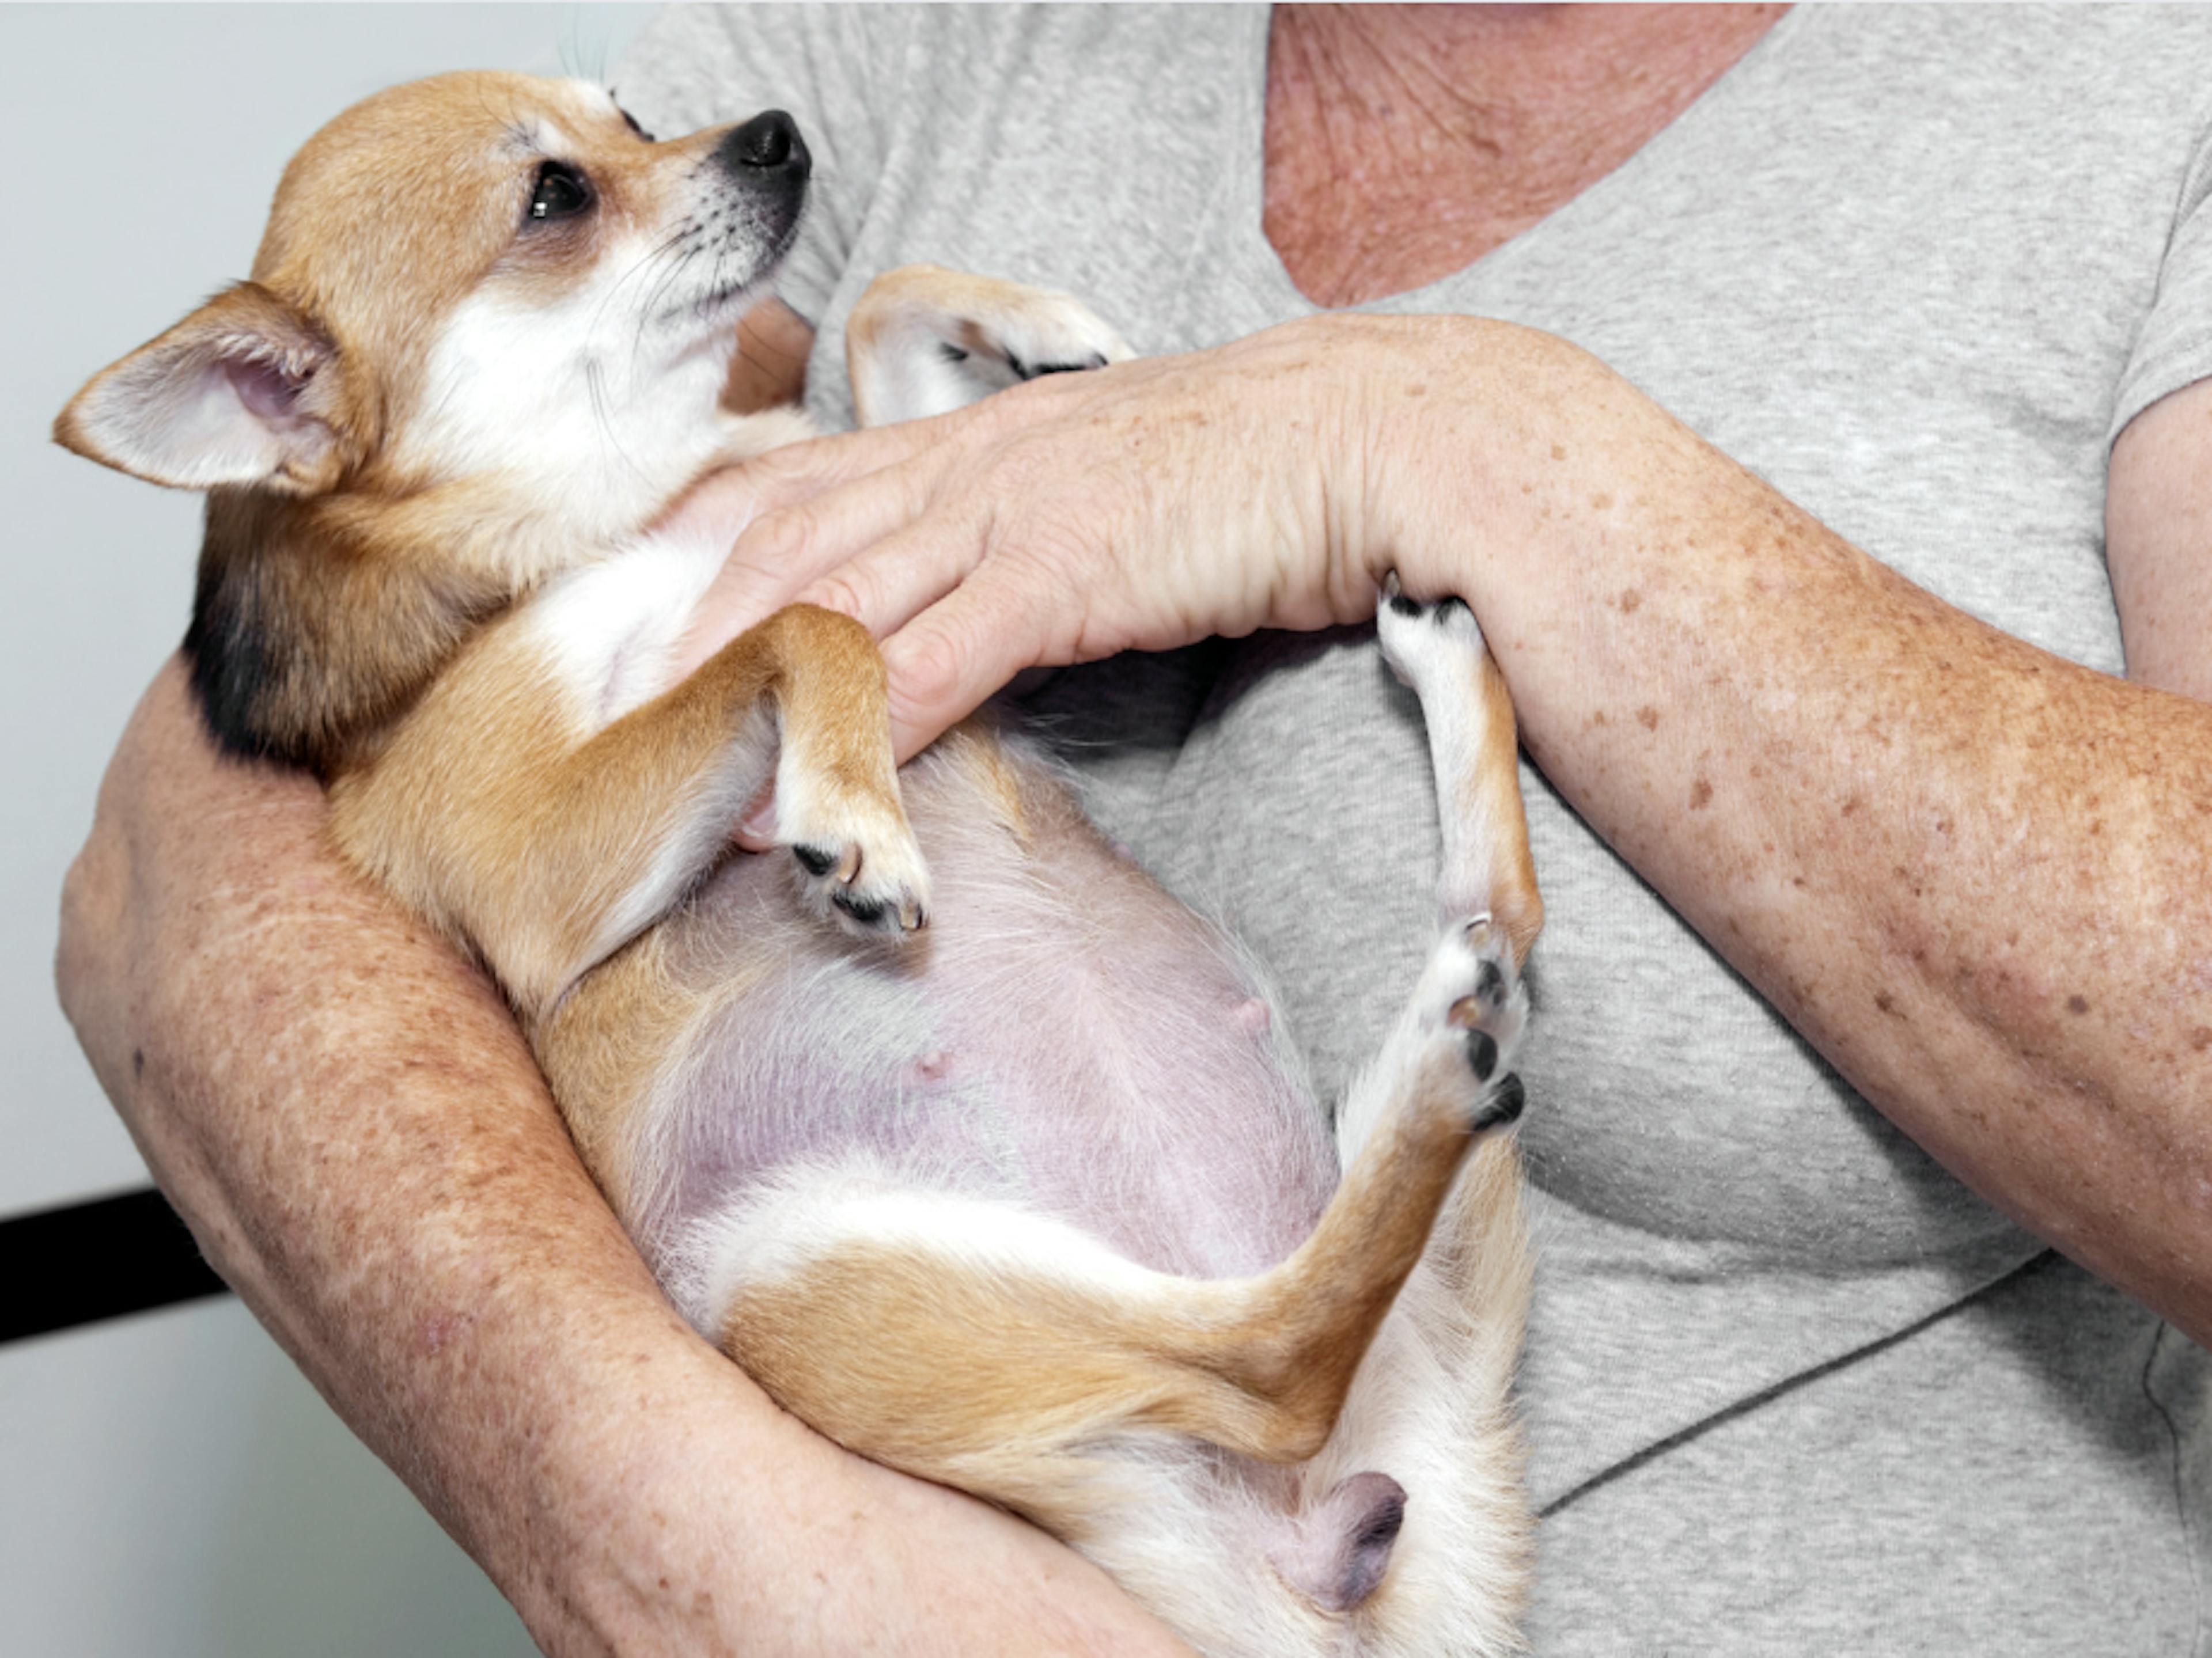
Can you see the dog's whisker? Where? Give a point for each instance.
(640, 267)
(595, 379)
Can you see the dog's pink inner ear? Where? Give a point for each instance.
(229, 396)
(267, 390)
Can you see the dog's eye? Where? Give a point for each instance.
(562, 192)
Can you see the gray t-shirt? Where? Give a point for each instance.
(1790, 1387)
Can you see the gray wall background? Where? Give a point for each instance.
(168, 1485)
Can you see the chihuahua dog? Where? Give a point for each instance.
(979, 1153)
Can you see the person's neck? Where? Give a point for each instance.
(1403, 143)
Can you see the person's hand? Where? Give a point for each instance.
(1142, 506)
(1714, 680)
(343, 1110)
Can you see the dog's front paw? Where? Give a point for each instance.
(859, 868)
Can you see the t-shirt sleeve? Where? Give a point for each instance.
(2173, 348)
(835, 68)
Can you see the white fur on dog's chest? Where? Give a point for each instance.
(609, 630)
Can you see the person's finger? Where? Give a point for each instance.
(794, 472)
(781, 553)
(945, 663)
(797, 470)
(903, 572)
(755, 830)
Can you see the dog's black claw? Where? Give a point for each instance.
(1504, 1106)
(1481, 1053)
(813, 860)
(1490, 984)
(867, 911)
(1444, 607)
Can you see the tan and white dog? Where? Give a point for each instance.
(979, 1153)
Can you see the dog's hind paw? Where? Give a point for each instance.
(1450, 1060)
(1489, 1013)
(1427, 641)
(1472, 1007)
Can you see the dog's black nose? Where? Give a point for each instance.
(770, 143)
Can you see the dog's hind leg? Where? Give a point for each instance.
(1488, 910)
(1437, 649)
(996, 1350)
(1430, 1410)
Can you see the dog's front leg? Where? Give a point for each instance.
(1488, 909)
(551, 846)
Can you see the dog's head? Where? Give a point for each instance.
(476, 276)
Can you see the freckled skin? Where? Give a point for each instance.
(1936, 779)
(1363, 199)
(549, 1485)
(1861, 789)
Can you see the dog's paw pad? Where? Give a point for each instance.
(1471, 1005)
(1024, 370)
(818, 861)
(1504, 1106)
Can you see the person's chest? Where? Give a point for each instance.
(1831, 269)
(1403, 145)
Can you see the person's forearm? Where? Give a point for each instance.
(1972, 873)
(347, 1116)
(1969, 871)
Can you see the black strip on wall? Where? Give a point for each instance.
(87, 1261)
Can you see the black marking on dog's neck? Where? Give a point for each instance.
(300, 646)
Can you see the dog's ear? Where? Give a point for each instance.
(242, 392)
